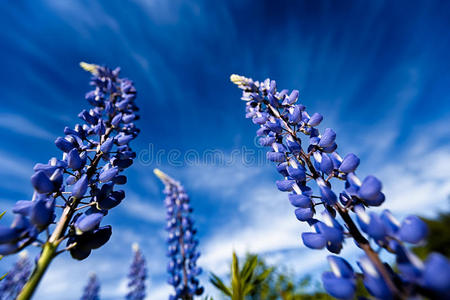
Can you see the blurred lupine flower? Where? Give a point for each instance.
(83, 182)
(137, 276)
(92, 289)
(182, 244)
(16, 278)
(303, 155)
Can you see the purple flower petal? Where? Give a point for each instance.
(295, 114)
(88, 222)
(64, 144)
(292, 97)
(313, 240)
(436, 275)
(326, 165)
(300, 200)
(108, 174)
(42, 213)
(106, 146)
(275, 156)
(285, 185)
(328, 196)
(328, 137)
(349, 163)
(340, 288)
(315, 119)
(267, 141)
(340, 267)
(122, 140)
(370, 188)
(413, 230)
(116, 120)
(375, 228)
(80, 187)
(8, 234)
(42, 183)
(298, 173)
(304, 214)
(73, 159)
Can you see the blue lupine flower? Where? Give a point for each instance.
(182, 244)
(303, 155)
(92, 289)
(137, 276)
(340, 283)
(83, 181)
(16, 278)
(436, 276)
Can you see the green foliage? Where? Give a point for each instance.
(283, 284)
(245, 281)
(257, 281)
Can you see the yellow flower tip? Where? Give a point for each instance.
(238, 79)
(160, 174)
(92, 68)
(135, 247)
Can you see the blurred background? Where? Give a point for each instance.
(378, 71)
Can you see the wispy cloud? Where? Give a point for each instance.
(12, 165)
(20, 125)
(143, 209)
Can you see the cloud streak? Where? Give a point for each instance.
(20, 125)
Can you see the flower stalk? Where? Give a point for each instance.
(84, 179)
(285, 127)
(182, 250)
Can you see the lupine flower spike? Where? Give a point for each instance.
(83, 182)
(304, 155)
(16, 278)
(182, 250)
(92, 289)
(137, 276)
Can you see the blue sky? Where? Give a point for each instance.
(378, 71)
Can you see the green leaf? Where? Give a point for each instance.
(249, 268)
(218, 283)
(235, 278)
(261, 277)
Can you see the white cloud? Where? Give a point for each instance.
(222, 180)
(145, 210)
(19, 124)
(420, 184)
(15, 166)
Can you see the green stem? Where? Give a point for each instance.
(47, 255)
(50, 247)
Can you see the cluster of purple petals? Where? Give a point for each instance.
(182, 244)
(15, 279)
(92, 289)
(84, 181)
(304, 155)
(137, 277)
